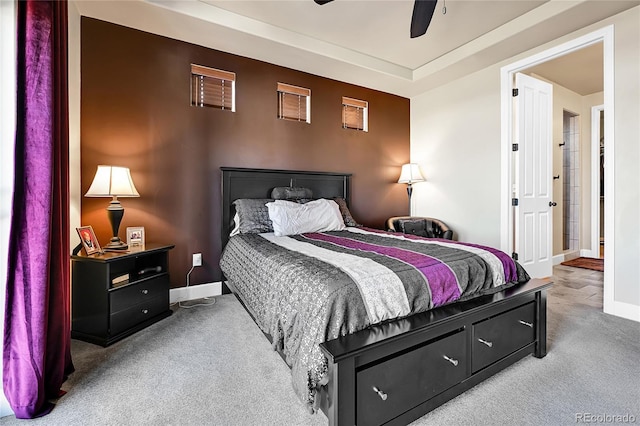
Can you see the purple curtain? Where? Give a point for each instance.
(37, 356)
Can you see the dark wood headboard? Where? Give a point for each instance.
(258, 183)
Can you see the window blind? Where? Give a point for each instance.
(354, 114)
(294, 102)
(211, 87)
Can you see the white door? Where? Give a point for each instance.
(533, 175)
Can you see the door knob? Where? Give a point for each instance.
(552, 204)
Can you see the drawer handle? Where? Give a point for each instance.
(451, 360)
(144, 291)
(528, 324)
(381, 394)
(145, 311)
(490, 344)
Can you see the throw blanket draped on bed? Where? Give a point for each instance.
(309, 288)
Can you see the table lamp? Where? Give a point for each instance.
(410, 174)
(113, 181)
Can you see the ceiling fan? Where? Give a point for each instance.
(421, 18)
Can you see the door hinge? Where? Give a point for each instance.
(514, 147)
(514, 255)
(514, 92)
(514, 201)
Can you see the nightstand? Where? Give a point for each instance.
(116, 294)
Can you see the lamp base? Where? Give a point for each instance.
(115, 211)
(116, 244)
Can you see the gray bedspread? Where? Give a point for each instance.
(309, 288)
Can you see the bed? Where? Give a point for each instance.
(377, 327)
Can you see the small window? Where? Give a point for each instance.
(355, 114)
(294, 103)
(212, 88)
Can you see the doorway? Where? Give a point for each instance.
(508, 231)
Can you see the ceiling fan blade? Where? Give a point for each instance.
(421, 18)
(321, 2)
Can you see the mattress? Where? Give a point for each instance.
(309, 288)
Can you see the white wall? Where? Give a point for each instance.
(451, 129)
(7, 144)
(627, 158)
(455, 137)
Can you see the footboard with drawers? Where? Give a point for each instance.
(396, 372)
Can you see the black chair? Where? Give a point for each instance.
(422, 226)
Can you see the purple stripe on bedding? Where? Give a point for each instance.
(441, 279)
(510, 271)
(508, 265)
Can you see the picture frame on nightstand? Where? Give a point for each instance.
(135, 237)
(89, 240)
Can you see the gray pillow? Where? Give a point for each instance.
(346, 214)
(253, 215)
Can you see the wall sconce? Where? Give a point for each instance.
(410, 174)
(112, 181)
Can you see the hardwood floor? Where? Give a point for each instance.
(576, 286)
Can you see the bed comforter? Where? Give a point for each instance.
(309, 288)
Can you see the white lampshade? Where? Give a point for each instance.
(112, 181)
(410, 174)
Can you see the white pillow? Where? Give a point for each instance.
(291, 218)
(236, 225)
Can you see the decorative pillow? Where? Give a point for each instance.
(253, 215)
(346, 214)
(291, 193)
(289, 218)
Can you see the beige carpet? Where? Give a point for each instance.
(212, 366)
(586, 263)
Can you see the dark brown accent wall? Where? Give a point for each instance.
(136, 113)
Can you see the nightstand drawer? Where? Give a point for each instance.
(392, 387)
(133, 294)
(125, 319)
(497, 337)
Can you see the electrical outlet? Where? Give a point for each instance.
(197, 259)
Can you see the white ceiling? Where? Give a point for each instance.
(364, 42)
(380, 29)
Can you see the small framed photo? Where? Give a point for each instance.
(89, 240)
(135, 237)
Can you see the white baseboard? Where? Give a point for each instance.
(623, 310)
(589, 253)
(567, 255)
(194, 292)
(5, 408)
